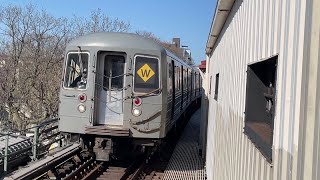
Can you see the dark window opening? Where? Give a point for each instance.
(210, 85)
(113, 72)
(146, 77)
(76, 71)
(260, 105)
(216, 89)
(177, 78)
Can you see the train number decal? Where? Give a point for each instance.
(145, 72)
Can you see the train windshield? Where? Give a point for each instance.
(76, 71)
(146, 77)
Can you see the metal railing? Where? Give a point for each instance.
(16, 146)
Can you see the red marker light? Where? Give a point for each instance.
(137, 101)
(82, 97)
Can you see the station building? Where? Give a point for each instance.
(202, 66)
(263, 89)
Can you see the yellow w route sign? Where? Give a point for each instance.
(145, 72)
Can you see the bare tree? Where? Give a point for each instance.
(148, 35)
(178, 51)
(33, 44)
(98, 22)
(14, 29)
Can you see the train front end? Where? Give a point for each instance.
(111, 97)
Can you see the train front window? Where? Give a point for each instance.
(113, 72)
(76, 71)
(146, 76)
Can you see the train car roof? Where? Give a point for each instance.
(123, 40)
(172, 55)
(116, 39)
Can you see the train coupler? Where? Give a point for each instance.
(103, 148)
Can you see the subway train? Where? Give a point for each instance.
(122, 92)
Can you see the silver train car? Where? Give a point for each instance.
(119, 89)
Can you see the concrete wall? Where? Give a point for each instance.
(204, 114)
(256, 30)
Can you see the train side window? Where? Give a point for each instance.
(178, 78)
(76, 70)
(182, 78)
(186, 79)
(146, 76)
(175, 78)
(113, 72)
(170, 77)
(187, 84)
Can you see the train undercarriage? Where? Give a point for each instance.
(108, 148)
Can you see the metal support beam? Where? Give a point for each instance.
(35, 143)
(5, 166)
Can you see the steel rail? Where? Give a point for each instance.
(137, 173)
(94, 172)
(76, 174)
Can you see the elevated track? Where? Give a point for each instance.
(71, 162)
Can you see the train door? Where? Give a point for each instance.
(111, 91)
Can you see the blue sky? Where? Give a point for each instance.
(190, 20)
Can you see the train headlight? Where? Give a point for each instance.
(136, 112)
(137, 101)
(82, 108)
